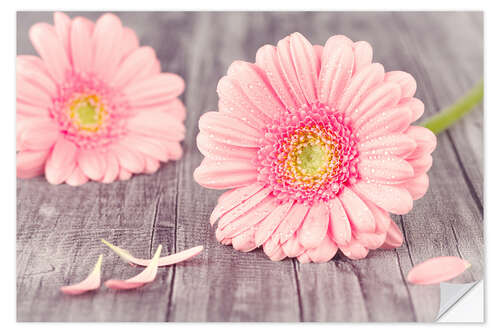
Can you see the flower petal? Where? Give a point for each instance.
(217, 175)
(436, 270)
(391, 198)
(244, 207)
(61, 161)
(337, 41)
(34, 84)
(159, 88)
(176, 109)
(324, 252)
(250, 219)
(421, 164)
(29, 111)
(81, 45)
(226, 129)
(162, 261)
(340, 228)
(234, 102)
(385, 169)
(363, 55)
(129, 158)
(22, 122)
(228, 194)
(92, 163)
(151, 147)
(394, 120)
(400, 145)
(129, 42)
(38, 134)
(107, 39)
(146, 276)
(31, 163)
(417, 186)
(50, 48)
(371, 240)
(315, 226)
(77, 177)
(253, 83)
(151, 165)
(31, 93)
(336, 70)
(112, 168)
(174, 150)
(124, 174)
(216, 150)
(415, 105)
(292, 247)
(245, 241)
(354, 250)
(92, 282)
(425, 139)
(157, 124)
(230, 199)
(359, 214)
(306, 66)
(406, 82)
(267, 59)
(318, 50)
(394, 237)
(292, 221)
(359, 86)
(382, 218)
(286, 63)
(385, 96)
(62, 25)
(278, 255)
(134, 67)
(304, 258)
(272, 248)
(267, 227)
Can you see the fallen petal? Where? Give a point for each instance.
(146, 276)
(92, 282)
(163, 261)
(436, 270)
(122, 285)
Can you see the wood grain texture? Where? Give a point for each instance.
(59, 227)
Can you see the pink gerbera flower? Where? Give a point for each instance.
(317, 144)
(94, 105)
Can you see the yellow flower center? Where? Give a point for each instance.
(87, 113)
(312, 159)
(308, 155)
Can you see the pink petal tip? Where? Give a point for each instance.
(163, 261)
(146, 276)
(92, 282)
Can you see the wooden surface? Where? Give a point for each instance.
(59, 227)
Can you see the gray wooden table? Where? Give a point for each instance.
(59, 227)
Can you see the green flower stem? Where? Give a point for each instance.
(448, 116)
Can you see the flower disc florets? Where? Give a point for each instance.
(86, 110)
(308, 155)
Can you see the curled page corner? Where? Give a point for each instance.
(450, 294)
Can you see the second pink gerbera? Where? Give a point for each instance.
(94, 105)
(317, 144)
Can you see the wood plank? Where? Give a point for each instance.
(379, 279)
(452, 209)
(227, 285)
(427, 228)
(59, 228)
